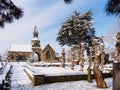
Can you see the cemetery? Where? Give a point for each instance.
(49, 69)
(85, 61)
(44, 72)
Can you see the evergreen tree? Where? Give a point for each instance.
(8, 12)
(76, 29)
(113, 7)
(68, 1)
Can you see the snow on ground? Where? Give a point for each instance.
(2, 76)
(20, 81)
(54, 71)
(49, 70)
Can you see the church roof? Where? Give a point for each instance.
(35, 38)
(20, 48)
(48, 46)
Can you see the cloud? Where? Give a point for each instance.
(47, 17)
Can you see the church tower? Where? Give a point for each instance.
(36, 44)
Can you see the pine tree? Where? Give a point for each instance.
(113, 7)
(76, 29)
(8, 12)
(68, 1)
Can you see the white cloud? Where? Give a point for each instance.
(20, 30)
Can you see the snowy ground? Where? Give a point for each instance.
(20, 81)
(49, 69)
(2, 76)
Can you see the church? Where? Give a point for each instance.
(24, 52)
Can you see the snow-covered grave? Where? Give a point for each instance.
(47, 64)
(53, 69)
(20, 81)
(49, 73)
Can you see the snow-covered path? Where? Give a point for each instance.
(20, 81)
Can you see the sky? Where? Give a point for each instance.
(48, 16)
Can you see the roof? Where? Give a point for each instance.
(48, 46)
(35, 38)
(20, 48)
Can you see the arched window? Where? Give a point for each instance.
(48, 55)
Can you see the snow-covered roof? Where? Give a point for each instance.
(35, 38)
(48, 46)
(20, 48)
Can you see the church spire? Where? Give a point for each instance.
(35, 33)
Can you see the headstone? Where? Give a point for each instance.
(98, 77)
(95, 47)
(116, 66)
(63, 57)
(118, 45)
(80, 55)
(73, 57)
(89, 78)
(116, 76)
(90, 56)
(102, 57)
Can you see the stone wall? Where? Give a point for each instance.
(36, 79)
(16, 56)
(42, 79)
(49, 49)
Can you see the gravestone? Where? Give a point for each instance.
(90, 56)
(63, 57)
(116, 66)
(80, 55)
(95, 48)
(73, 56)
(99, 78)
(116, 76)
(102, 56)
(118, 45)
(89, 78)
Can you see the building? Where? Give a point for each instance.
(26, 51)
(49, 54)
(19, 52)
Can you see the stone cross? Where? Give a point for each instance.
(95, 47)
(63, 57)
(102, 56)
(73, 56)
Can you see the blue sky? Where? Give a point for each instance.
(48, 16)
